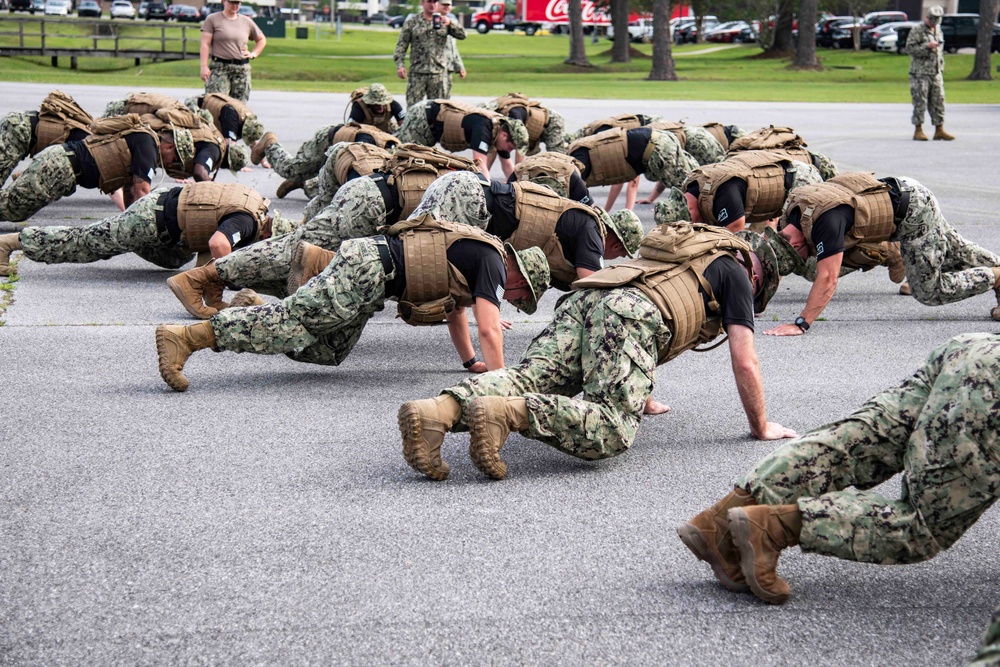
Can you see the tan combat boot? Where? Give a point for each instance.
(8, 244)
(423, 425)
(257, 153)
(995, 313)
(174, 344)
(905, 289)
(308, 261)
(197, 287)
(288, 185)
(941, 135)
(760, 532)
(246, 298)
(490, 420)
(707, 536)
(918, 134)
(894, 260)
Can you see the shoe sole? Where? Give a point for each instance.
(414, 446)
(178, 291)
(483, 456)
(739, 527)
(295, 269)
(175, 384)
(695, 542)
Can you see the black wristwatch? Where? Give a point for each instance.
(471, 362)
(801, 323)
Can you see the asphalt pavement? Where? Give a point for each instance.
(267, 516)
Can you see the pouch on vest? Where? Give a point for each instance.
(427, 313)
(767, 138)
(57, 116)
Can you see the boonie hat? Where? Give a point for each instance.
(936, 12)
(185, 145)
(827, 169)
(252, 130)
(518, 134)
(672, 209)
(760, 247)
(533, 266)
(280, 225)
(628, 228)
(377, 94)
(237, 155)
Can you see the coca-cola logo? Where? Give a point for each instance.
(558, 10)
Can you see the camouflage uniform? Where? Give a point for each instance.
(15, 141)
(48, 178)
(322, 321)
(455, 67)
(430, 61)
(133, 230)
(989, 650)
(702, 146)
(229, 79)
(669, 163)
(307, 162)
(326, 184)
(415, 128)
(554, 135)
(926, 72)
(938, 428)
(601, 342)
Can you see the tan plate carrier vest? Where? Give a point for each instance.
(109, 150)
(626, 120)
(765, 176)
(869, 197)
(767, 138)
(57, 116)
(608, 151)
(202, 205)
(144, 103)
(201, 132)
(718, 130)
(538, 116)
(362, 158)
(794, 153)
(414, 167)
(671, 126)
(537, 210)
(434, 286)
(557, 166)
(348, 132)
(381, 121)
(671, 268)
(451, 114)
(214, 103)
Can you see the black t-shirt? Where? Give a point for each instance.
(395, 110)
(390, 195)
(829, 231)
(478, 130)
(142, 148)
(229, 123)
(239, 228)
(729, 202)
(501, 205)
(732, 289)
(484, 269)
(637, 140)
(208, 155)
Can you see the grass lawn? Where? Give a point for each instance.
(533, 65)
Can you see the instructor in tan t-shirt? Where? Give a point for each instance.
(225, 60)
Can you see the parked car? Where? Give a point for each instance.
(379, 18)
(732, 32)
(842, 34)
(825, 26)
(210, 8)
(143, 10)
(887, 43)
(639, 30)
(156, 10)
(170, 10)
(960, 31)
(89, 8)
(248, 11)
(689, 33)
(37, 6)
(872, 19)
(57, 8)
(187, 14)
(20, 6)
(122, 9)
(396, 22)
(869, 38)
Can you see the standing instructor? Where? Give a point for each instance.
(426, 36)
(225, 59)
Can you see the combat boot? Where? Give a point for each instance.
(894, 260)
(707, 537)
(174, 344)
(918, 134)
(197, 287)
(308, 261)
(490, 420)
(760, 532)
(8, 244)
(246, 298)
(257, 153)
(905, 289)
(423, 425)
(941, 135)
(288, 185)
(995, 313)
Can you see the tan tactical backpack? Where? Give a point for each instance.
(57, 116)
(414, 167)
(767, 138)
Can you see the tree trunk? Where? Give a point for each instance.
(663, 62)
(984, 40)
(782, 42)
(577, 45)
(619, 20)
(805, 51)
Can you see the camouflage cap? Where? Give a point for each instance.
(518, 134)
(553, 184)
(789, 260)
(115, 108)
(935, 11)
(281, 225)
(185, 145)
(377, 94)
(252, 130)
(673, 208)
(533, 266)
(760, 247)
(827, 169)
(628, 228)
(238, 156)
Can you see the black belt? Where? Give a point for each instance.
(388, 198)
(74, 161)
(162, 233)
(900, 199)
(382, 245)
(227, 61)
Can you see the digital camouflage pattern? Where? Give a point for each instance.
(415, 128)
(669, 163)
(307, 162)
(15, 141)
(554, 134)
(702, 146)
(989, 649)
(926, 72)
(827, 168)
(430, 59)
(133, 230)
(927, 93)
(426, 87)
(115, 108)
(356, 211)
(232, 80)
(939, 428)
(456, 197)
(322, 321)
(48, 178)
(601, 342)
(326, 184)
